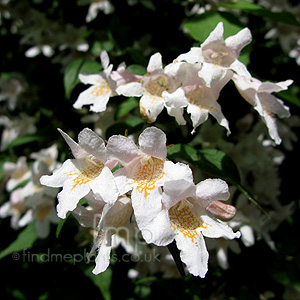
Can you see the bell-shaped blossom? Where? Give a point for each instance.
(259, 95)
(146, 171)
(219, 56)
(114, 218)
(18, 172)
(14, 208)
(193, 93)
(150, 88)
(187, 219)
(103, 87)
(42, 213)
(90, 170)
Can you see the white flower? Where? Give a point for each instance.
(146, 171)
(42, 213)
(259, 95)
(48, 157)
(186, 219)
(199, 99)
(104, 5)
(18, 173)
(150, 88)
(103, 87)
(11, 89)
(90, 170)
(114, 219)
(218, 56)
(14, 208)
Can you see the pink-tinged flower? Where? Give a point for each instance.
(259, 95)
(186, 219)
(150, 88)
(103, 84)
(103, 87)
(193, 93)
(146, 171)
(218, 56)
(90, 170)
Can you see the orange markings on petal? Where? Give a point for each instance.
(149, 172)
(101, 89)
(184, 219)
(91, 170)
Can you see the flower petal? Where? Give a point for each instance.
(76, 149)
(198, 115)
(210, 190)
(192, 57)
(178, 183)
(104, 59)
(175, 102)
(270, 87)
(212, 74)
(194, 255)
(151, 106)
(216, 36)
(152, 141)
(240, 69)
(155, 63)
(215, 229)
(92, 143)
(69, 197)
(59, 176)
(104, 186)
(216, 112)
(131, 89)
(103, 257)
(122, 149)
(146, 209)
(238, 41)
(91, 78)
(159, 231)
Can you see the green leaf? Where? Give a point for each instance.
(201, 26)
(102, 281)
(213, 162)
(255, 9)
(137, 69)
(23, 140)
(289, 96)
(126, 106)
(24, 240)
(61, 224)
(130, 125)
(72, 71)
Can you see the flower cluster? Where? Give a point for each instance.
(193, 81)
(121, 178)
(30, 201)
